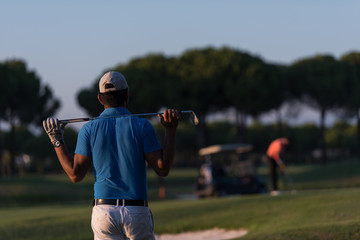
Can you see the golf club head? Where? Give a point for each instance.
(193, 118)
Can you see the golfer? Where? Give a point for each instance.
(275, 153)
(118, 149)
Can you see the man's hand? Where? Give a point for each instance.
(170, 118)
(162, 160)
(281, 165)
(54, 129)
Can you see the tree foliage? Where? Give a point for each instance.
(352, 104)
(25, 100)
(206, 80)
(209, 80)
(152, 83)
(87, 99)
(258, 89)
(322, 81)
(204, 75)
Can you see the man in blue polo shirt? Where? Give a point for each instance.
(118, 145)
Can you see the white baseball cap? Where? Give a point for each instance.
(112, 81)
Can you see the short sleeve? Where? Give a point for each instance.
(150, 141)
(83, 146)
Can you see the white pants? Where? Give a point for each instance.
(123, 223)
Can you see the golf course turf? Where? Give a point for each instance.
(325, 206)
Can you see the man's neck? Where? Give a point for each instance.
(123, 106)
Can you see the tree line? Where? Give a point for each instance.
(24, 101)
(206, 80)
(210, 80)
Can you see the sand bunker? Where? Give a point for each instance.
(211, 234)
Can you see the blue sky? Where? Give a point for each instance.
(70, 43)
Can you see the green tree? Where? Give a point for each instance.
(87, 99)
(341, 139)
(353, 99)
(151, 85)
(258, 88)
(322, 81)
(205, 75)
(303, 141)
(3, 94)
(26, 101)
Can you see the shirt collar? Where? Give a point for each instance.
(114, 112)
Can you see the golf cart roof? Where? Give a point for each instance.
(237, 148)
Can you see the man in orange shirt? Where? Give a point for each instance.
(274, 152)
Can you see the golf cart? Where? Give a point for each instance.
(225, 170)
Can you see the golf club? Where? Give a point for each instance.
(290, 182)
(192, 114)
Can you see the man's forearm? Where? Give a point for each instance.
(169, 149)
(66, 161)
(75, 167)
(281, 164)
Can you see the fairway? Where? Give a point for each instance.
(47, 222)
(330, 212)
(326, 214)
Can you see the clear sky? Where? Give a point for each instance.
(70, 43)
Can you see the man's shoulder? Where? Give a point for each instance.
(140, 122)
(85, 129)
(86, 126)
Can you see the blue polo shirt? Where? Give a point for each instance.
(117, 147)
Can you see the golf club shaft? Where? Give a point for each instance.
(74, 120)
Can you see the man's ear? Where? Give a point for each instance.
(100, 100)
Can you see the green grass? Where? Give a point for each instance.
(306, 215)
(341, 174)
(43, 189)
(324, 207)
(325, 214)
(46, 222)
